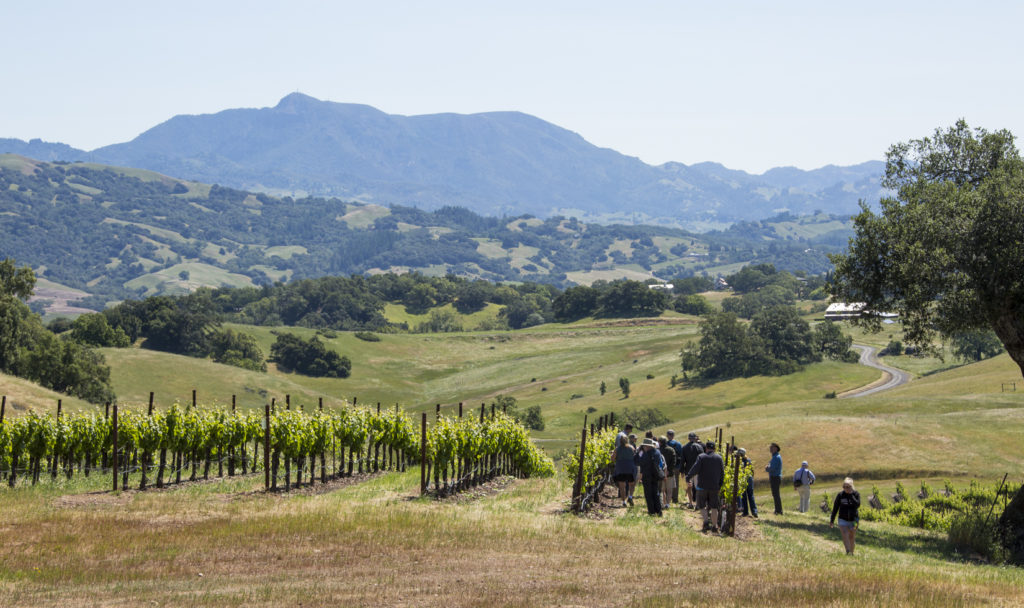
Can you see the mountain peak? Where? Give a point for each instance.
(296, 101)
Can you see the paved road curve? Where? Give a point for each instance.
(891, 377)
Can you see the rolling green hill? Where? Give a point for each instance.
(955, 424)
(560, 368)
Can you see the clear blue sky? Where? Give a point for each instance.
(749, 84)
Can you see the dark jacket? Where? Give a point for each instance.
(650, 462)
(669, 454)
(678, 447)
(691, 452)
(846, 506)
(709, 471)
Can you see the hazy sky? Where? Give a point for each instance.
(749, 84)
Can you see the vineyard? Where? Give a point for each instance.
(935, 510)
(462, 452)
(163, 446)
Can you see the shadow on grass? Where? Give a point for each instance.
(906, 540)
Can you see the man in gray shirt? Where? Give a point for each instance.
(709, 471)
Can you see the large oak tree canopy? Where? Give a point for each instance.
(947, 252)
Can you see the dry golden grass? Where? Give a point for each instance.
(371, 544)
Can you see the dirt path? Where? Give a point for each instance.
(891, 377)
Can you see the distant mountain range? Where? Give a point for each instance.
(496, 163)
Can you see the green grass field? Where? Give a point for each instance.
(169, 279)
(226, 543)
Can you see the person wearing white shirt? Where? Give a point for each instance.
(802, 480)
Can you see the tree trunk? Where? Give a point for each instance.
(13, 478)
(160, 469)
(1010, 329)
(1011, 528)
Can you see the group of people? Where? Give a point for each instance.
(659, 463)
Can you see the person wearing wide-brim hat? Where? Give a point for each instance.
(651, 465)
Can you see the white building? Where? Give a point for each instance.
(843, 311)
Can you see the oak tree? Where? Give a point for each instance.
(946, 252)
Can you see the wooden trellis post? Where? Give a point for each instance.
(577, 486)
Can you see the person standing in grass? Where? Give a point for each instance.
(747, 498)
(802, 480)
(651, 462)
(691, 451)
(709, 471)
(774, 469)
(625, 469)
(636, 467)
(667, 484)
(678, 447)
(845, 506)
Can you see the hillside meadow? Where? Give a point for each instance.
(227, 543)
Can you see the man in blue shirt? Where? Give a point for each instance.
(774, 469)
(678, 448)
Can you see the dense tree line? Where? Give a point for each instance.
(777, 341)
(762, 287)
(186, 325)
(31, 351)
(615, 299)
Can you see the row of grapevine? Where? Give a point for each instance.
(197, 436)
(459, 453)
(591, 468)
(934, 510)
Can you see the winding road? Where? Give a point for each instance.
(891, 377)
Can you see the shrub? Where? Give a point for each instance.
(308, 357)
(895, 347)
(973, 533)
(646, 418)
(367, 336)
(533, 419)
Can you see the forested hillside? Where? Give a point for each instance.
(117, 233)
